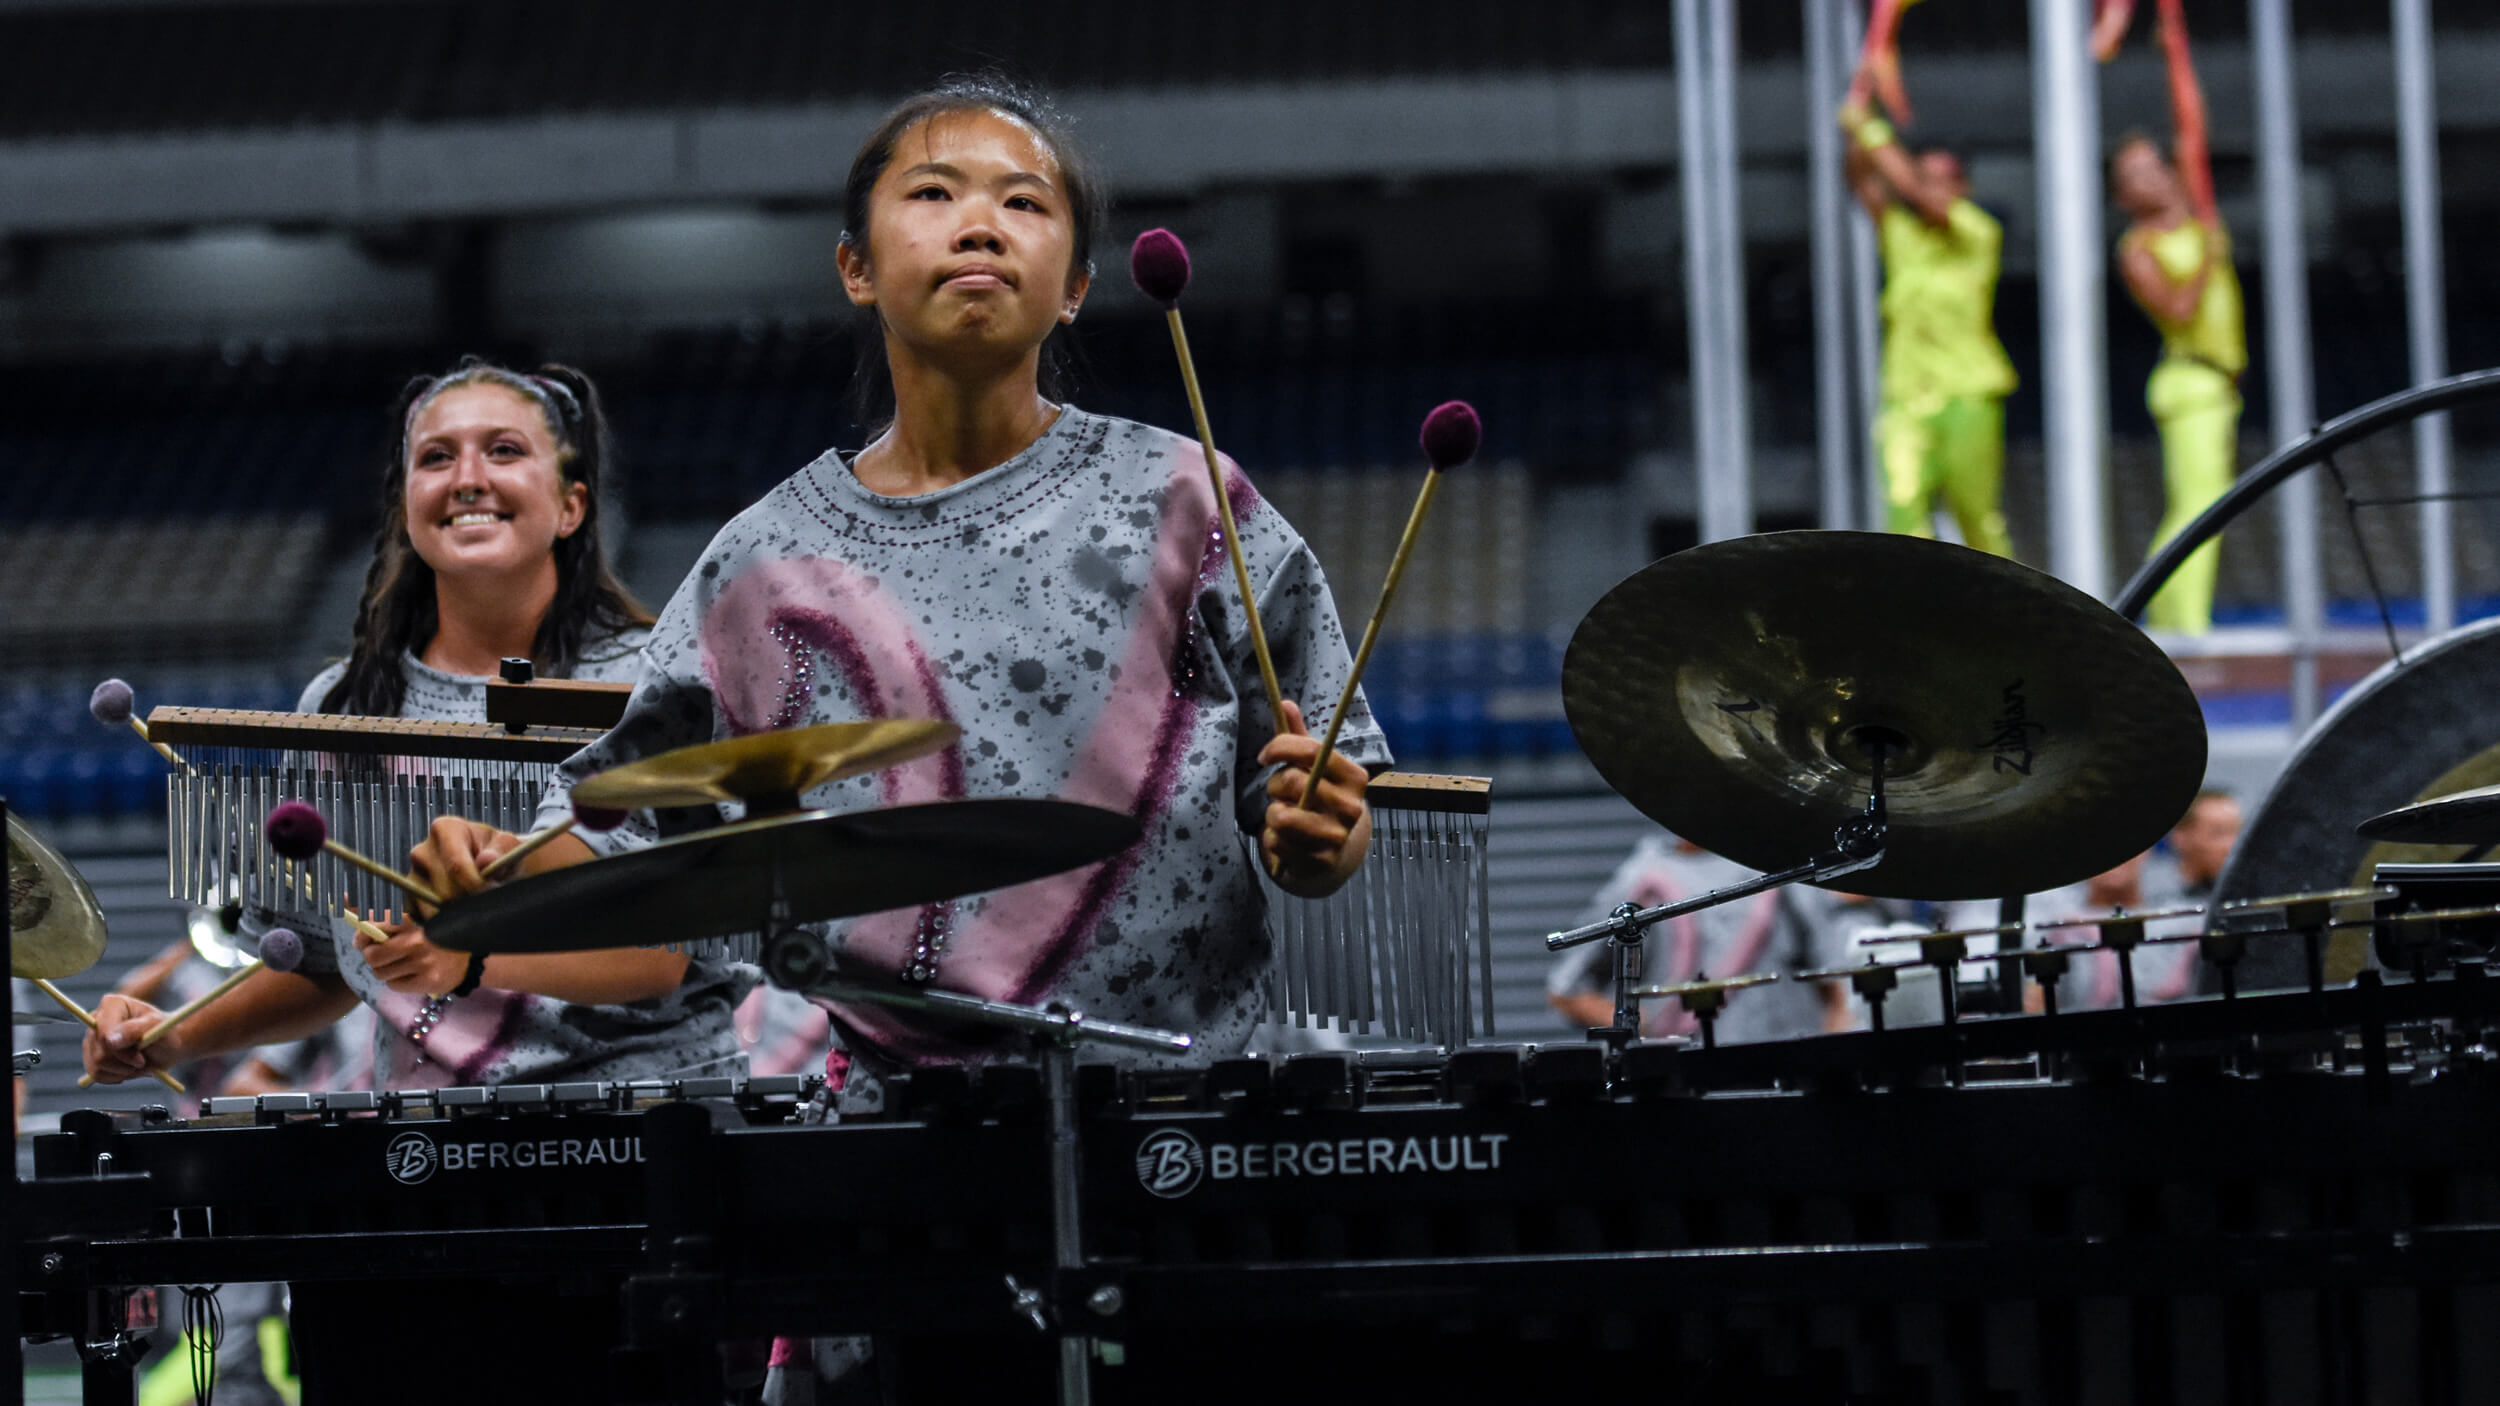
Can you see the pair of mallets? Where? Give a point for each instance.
(1159, 263)
(280, 950)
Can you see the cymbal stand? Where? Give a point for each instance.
(1857, 844)
(1056, 1031)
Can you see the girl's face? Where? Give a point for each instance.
(970, 248)
(486, 492)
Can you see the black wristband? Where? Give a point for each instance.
(468, 982)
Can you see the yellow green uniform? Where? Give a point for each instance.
(1940, 430)
(2194, 395)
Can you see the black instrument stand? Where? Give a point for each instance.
(1056, 1032)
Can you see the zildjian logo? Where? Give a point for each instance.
(2016, 735)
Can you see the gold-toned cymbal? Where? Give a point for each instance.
(768, 770)
(2033, 736)
(2459, 818)
(56, 928)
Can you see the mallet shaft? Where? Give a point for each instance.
(529, 845)
(168, 753)
(411, 885)
(1224, 507)
(1371, 631)
(88, 1080)
(240, 975)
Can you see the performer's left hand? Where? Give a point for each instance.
(409, 964)
(1312, 852)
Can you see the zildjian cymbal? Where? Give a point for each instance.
(2032, 736)
(56, 928)
(768, 770)
(2459, 818)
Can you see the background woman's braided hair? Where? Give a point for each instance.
(397, 615)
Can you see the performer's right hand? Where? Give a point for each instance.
(111, 1050)
(453, 852)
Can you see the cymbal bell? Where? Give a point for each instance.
(767, 770)
(2459, 818)
(812, 865)
(1737, 693)
(56, 928)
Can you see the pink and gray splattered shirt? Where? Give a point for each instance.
(1073, 612)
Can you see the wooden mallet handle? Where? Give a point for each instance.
(298, 831)
(1159, 263)
(528, 846)
(1451, 435)
(192, 1007)
(87, 1081)
(587, 817)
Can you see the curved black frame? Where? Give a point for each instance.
(2260, 479)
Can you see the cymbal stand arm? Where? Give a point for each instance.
(1858, 845)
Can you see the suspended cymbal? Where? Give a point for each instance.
(56, 928)
(2035, 737)
(769, 770)
(2460, 818)
(820, 864)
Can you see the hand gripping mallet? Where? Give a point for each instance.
(587, 817)
(1450, 437)
(280, 951)
(1159, 264)
(86, 1081)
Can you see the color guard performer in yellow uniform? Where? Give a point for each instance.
(1940, 430)
(2176, 258)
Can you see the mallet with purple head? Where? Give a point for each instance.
(587, 817)
(1451, 434)
(280, 951)
(298, 832)
(1159, 264)
(115, 705)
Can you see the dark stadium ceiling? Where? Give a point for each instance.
(99, 67)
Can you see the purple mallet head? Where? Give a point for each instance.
(1159, 264)
(296, 830)
(596, 817)
(281, 950)
(112, 703)
(1451, 433)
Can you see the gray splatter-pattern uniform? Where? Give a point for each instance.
(492, 1036)
(1073, 611)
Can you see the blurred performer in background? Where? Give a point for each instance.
(488, 548)
(2176, 259)
(1786, 930)
(1940, 431)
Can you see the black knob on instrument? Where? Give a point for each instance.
(518, 671)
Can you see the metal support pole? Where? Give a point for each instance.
(2426, 316)
(1866, 313)
(1837, 432)
(1705, 79)
(2289, 382)
(2073, 321)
